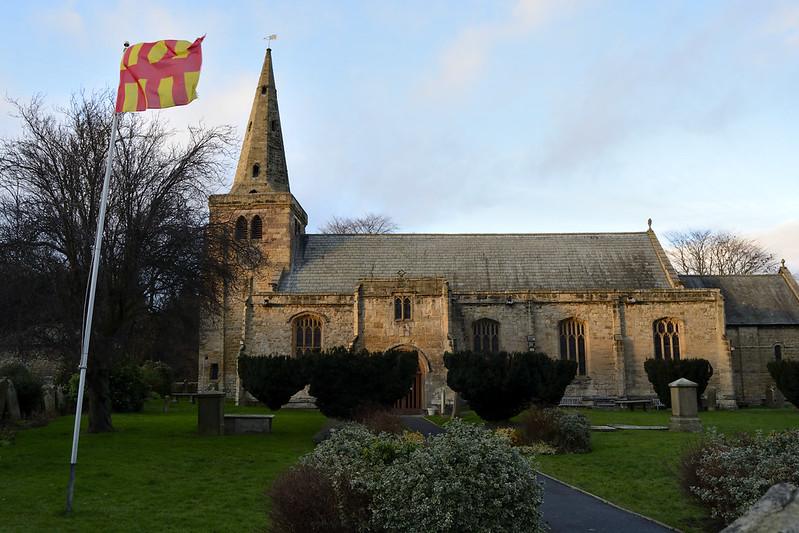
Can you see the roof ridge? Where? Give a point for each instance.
(471, 234)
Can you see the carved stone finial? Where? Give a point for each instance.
(649, 223)
(782, 263)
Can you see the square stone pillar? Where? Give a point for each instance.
(211, 413)
(684, 408)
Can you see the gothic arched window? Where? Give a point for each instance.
(241, 229)
(402, 308)
(572, 343)
(256, 227)
(307, 334)
(666, 333)
(256, 170)
(485, 333)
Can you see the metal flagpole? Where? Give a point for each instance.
(87, 328)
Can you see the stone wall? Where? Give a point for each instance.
(752, 350)
(618, 328)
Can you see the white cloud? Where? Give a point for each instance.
(783, 240)
(64, 19)
(465, 57)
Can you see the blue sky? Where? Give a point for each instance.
(517, 116)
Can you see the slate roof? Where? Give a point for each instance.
(480, 262)
(756, 300)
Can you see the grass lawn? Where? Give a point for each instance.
(637, 469)
(153, 474)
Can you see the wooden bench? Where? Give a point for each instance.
(239, 424)
(571, 401)
(632, 404)
(178, 395)
(604, 402)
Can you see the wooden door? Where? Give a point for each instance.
(413, 401)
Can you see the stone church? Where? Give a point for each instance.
(608, 301)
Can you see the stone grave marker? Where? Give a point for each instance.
(684, 408)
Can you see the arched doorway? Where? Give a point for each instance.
(414, 401)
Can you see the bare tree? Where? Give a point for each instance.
(160, 256)
(704, 252)
(369, 223)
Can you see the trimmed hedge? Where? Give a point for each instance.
(273, 380)
(786, 376)
(345, 382)
(498, 386)
(661, 372)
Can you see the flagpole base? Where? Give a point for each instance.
(70, 487)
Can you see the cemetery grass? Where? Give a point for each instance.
(154, 473)
(637, 470)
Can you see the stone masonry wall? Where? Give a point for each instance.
(752, 350)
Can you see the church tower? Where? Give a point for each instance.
(261, 210)
(262, 163)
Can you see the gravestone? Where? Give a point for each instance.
(710, 398)
(684, 408)
(49, 400)
(211, 413)
(769, 396)
(11, 400)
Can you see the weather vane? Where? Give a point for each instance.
(269, 39)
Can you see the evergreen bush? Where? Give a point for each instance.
(128, 388)
(498, 386)
(728, 474)
(28, 387)
(567, 431)
(345, 382)
(273, 380)
(158, 376)
(786, 376)
(661, 372)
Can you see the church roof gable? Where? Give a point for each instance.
(756, 300)
(480, 262)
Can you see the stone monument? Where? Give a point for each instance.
(211, 413)
(684, 408)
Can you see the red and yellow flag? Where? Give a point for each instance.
(160, 74)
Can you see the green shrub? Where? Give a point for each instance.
(466, 480)
(727, 474)
(128, 388)
(304, 500)
(498, 386)
(28, 387)
(345, 382)
(273, 380)
(568, 432)
(158, 376)
(786, 376)
(661, 372)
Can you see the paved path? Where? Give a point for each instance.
(566, 509)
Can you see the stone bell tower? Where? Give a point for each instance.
(261, 210)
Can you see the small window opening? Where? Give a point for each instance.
(666, 332)
(241, 229)
(263, 89)
(249, 126)
(256, 169)
(214, 371)
(402, 308)
(253, 191)
(485, 333)
(256, 227)
(274, 125)
(778, 352)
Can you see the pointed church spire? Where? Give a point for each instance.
(262, 163)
